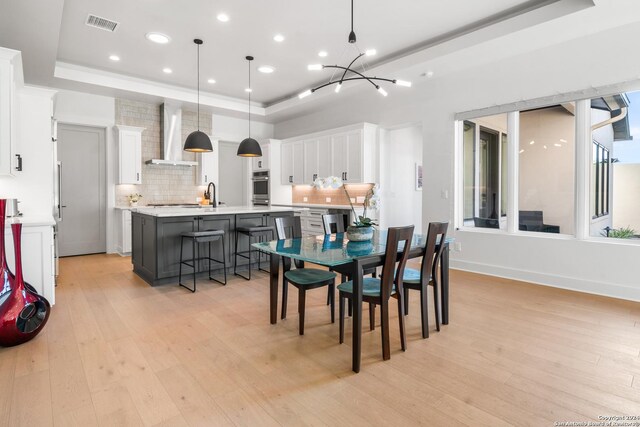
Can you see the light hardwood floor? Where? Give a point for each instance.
(119, 352)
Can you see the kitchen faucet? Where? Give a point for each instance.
(208, 194)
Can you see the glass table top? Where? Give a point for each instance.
(334, 249)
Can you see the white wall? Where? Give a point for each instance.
(33, 186)
(400, 150)
(591, 266)
(99, 111)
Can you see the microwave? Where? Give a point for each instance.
(260, 186)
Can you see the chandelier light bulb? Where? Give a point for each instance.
(403, 83)
(382, 91)
(338, 87)
(370, 52)
(305, 94)
(315, 67)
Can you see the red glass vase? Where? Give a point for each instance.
(24, 313)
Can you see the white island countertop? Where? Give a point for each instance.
(226, 210)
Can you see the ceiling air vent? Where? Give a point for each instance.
(101, 23)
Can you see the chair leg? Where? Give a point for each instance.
(341, 314)
(224, 261)
(350, 309)
(235, 256)
(332, 290)
(301, 302)
(372, 316)
(180, 266)
(329, 296)
(384, 323)
(285, 293)
(436, 304)
(195, 269)
(406, 301)
(424, 311)
(374, 274)
(403, 333)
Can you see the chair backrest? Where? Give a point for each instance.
(437, 232)
(486, 222)
(395, 237)
(333, 223)
(533, 218)
(288, 227)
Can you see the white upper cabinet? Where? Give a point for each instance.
(317, 159)
(208, 166)
(348, 153)
(129, 154)
(262, 163)
(8, 111)
(286, 164)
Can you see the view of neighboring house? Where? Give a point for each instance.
(546, 168)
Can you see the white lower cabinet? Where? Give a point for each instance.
(311, 222)
(124, 231)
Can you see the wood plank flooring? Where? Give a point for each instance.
(119, 352)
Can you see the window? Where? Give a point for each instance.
(485, 163)
(546, 168)
(600, 187)
(615, 166)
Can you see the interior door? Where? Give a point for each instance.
(233, 175)
(82, 224)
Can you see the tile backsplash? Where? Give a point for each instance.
(160, 183)
(318, 196)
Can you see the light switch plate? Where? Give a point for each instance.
(305, 199)
(328, 199)
(359, 199)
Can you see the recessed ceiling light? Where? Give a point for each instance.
(267, 69)
(370, 52)
(314, 67)
(429, 74)
(279, 38)
(114, 58)
(167, 70)
(558, 145)
(223, 17)
(248, 90)
(158, 38)
(211, 81)
(322, 54)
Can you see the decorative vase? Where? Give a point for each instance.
(24, 313)
(359, 234)
(6, 276)
(133, 204)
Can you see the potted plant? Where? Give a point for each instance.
(134, 199)
(362, 228)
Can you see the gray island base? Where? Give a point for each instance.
(155, 249)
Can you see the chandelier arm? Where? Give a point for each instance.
(349, 66)
(354, 78)
(353, 71)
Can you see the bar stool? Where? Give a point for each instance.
(198, 237)
(257, 231)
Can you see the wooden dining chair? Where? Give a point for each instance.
(302, 278)
(334, 223)
(427, 276)
(379, 291)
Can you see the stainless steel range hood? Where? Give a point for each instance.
(171, 135)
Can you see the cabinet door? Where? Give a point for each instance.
(207, 168)
(324, 157)
(298, 162)
(262, 163)
(311, 161)
(286, 165)
(6, 105)
(126, 231)
(130, 148)
(354, 149)
(339, 156)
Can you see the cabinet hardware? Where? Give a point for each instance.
(346, 176)
(314, 177)
(137, 176)
(205, 178)
(290, 178)
(260, 164)
(18, 162)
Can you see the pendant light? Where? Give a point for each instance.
(249, 147)
(198, 142)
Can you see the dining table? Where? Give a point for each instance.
(349, 258)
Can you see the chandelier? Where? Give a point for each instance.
(349, 73)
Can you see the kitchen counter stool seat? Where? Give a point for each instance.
(197, 237)
(250, 232)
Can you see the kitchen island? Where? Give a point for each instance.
(155, 237)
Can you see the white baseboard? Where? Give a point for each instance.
(581, 285)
